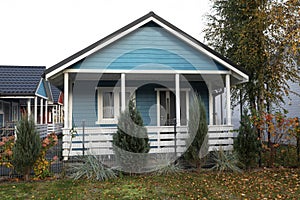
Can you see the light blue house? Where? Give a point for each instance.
(158, 65)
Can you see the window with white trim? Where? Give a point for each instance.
(109, 103)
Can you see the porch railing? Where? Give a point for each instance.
(98, 140)
(42, 129)
(55, 127)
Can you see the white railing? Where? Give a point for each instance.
(220, 136)
(42, 129)
(98, 140)
(55, 127)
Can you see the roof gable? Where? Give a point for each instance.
(148, 48)
(156, 21)
(42, 89)
(20, 80)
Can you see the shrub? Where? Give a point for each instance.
(165, 164)
(197, 133)
(91, 168)
(26, 148)
(247, 145)
(41, 167)
(131, 142)
(6, 145)
(225, 161)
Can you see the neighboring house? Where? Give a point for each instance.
(292, 103)
(158, 65)
(23, 91)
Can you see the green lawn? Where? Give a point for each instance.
(259, 184)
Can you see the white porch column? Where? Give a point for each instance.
(28, 108)
(56, 118)
(46, 111)
(35, 109)
(70, 105)
(158, 108)
(177, 92)
(66, 100)
(41, 110)
(123, 93)
(210, 105)
(228, 105)
(54, 111)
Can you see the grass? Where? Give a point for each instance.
(260, 184)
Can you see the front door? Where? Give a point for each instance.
(167, 108)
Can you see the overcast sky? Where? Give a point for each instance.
(38, 32)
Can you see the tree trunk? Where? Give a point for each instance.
(27, 174)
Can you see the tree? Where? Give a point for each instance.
(27, 147)
(246, 144)
(197, 131)
(264, 38)
(131, 142)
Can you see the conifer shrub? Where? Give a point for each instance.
(198, 129)
(131, 142)
(27, 147)
(246, 144)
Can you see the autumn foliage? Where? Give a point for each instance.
(277, 130)
(41, 166)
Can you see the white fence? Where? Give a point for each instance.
(42, 129)
(98, 141)
(56, 127)
(45, 129)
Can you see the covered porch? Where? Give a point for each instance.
(166, 120)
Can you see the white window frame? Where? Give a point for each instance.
(116, 91)
(13, 116)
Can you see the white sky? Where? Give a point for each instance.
(40, 32)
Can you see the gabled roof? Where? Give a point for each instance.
(20, 80)
(150, 17)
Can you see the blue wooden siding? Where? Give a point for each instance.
(149, 48)
(41, 90)
(85, 104)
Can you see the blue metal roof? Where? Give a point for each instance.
(20, 80)
(55, 93)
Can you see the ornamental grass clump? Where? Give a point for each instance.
(91, 167)
(27, 147)
(225, 161)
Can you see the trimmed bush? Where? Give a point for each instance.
(197, 133)
(131, 142)
(27, 147)
(246, 145)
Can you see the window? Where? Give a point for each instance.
(109, 103)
